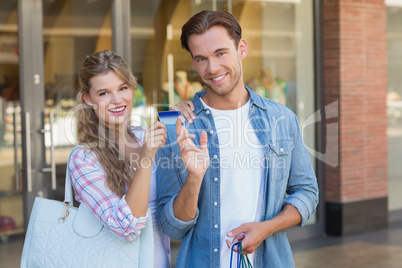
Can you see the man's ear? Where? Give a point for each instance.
(243, 48)
(87, 99)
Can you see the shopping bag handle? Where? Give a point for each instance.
(242, 259)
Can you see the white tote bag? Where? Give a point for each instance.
(79, 239)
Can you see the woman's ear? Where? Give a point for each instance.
(87, 99)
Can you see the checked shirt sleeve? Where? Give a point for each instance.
(89, 182)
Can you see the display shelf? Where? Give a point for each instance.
(5, 234)
(12, 231)
(9, 194)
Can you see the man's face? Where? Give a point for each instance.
(218, 61)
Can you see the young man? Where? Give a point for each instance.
(251, 177)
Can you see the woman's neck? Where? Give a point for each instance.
(119, 133)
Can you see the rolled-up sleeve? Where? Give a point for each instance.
(302, 190)
(89, 182)
(173, 226)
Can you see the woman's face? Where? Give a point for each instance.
(111, 99)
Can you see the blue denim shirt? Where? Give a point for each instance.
(290, 179)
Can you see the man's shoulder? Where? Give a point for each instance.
(272, 107)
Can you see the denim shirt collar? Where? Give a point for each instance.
(254, 101)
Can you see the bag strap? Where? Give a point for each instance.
(68, 191)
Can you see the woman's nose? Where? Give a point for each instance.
(116, 98)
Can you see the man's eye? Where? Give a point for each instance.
(102, 94)
(221, 54)
(200, 59)
(123, 88)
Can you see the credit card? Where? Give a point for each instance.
(169, 118)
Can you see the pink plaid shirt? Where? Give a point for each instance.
(89, 182)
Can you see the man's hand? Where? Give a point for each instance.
(253, 233)
(196, 160)
(250, 234)
(186, 108)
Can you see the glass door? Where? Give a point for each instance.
(11, 197)
(42, 45)
(72, 29)
(394, 107)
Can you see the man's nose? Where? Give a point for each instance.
(213, 65)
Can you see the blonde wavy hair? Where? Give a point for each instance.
(92, 133)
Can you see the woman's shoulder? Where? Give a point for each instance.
(81, 153)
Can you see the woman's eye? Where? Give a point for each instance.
(102, 94)
(123, 88)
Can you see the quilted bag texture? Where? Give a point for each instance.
(80, 240)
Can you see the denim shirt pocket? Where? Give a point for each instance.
(280, 155)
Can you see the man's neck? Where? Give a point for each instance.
(231, 101)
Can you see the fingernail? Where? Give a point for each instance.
(230, 234)
(190, 121)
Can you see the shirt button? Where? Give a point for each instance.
(215, 203)
(208, 112)
(281, 149)
(216, 226)
(212, 132)
(215, 179)
(215, 156)
(216, 250)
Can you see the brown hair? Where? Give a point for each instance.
(92, 133)
(204, 20)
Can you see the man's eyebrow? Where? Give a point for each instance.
(216, 51)
(221, 49)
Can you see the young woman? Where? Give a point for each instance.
(112, 167)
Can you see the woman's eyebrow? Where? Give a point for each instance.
(119, 86)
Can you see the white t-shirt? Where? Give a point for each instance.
(241, 169)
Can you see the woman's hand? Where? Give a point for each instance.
(196, 160)
(186, 108)
(155, 138)
(137, 195)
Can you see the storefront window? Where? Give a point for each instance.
(279, 64)
(394, 103)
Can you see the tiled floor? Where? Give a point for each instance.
(352, 255)
(372, 250)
